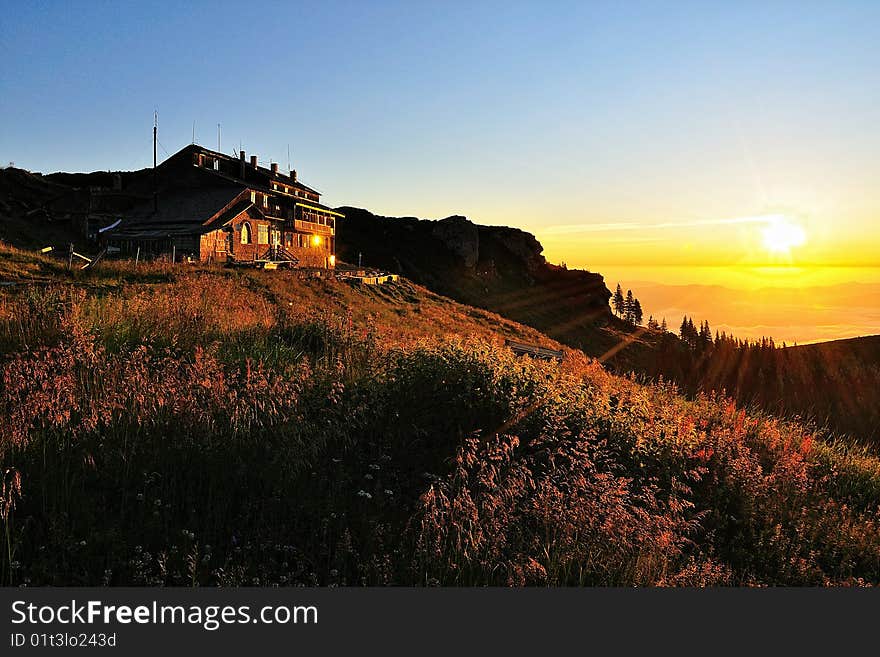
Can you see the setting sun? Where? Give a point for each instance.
(780, 236)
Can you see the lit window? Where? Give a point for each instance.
(216, 165)
(316, 240)
(246, 233)
(262, 234)
(253, 197)
(265, 201)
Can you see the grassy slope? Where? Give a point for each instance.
(837, 386)
(224, 427)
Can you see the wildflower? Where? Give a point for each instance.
(365, 494)
(140, 497)
(368, 477)
(389, 492)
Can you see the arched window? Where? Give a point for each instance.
(246, 233)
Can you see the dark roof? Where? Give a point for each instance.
(280, 177)
(179, 212)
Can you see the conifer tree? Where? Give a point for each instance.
(617, 301)
(628, 307)
(636, 311)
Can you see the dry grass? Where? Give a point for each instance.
(252, 428)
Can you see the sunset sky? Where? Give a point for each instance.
(620, 133)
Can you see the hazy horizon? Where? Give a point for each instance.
(827, 303)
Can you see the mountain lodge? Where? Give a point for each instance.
(213, 207)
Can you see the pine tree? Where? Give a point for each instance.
(663, 326)
(628, 307)
(617, 301)
(636, 312)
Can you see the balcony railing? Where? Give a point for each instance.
(312, 227)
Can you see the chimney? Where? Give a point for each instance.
(254, 161)
(241, 164)
(293, 175)
(274, 168)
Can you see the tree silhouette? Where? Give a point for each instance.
(617, 301)
(636, 311)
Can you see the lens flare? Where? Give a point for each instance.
(780, 236)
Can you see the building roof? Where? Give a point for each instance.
(280, 177)
(180, 212)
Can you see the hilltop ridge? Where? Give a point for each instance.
(498, 268)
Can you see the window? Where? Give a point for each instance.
(216, 165)
(253, 197)
(246, 237)
(262, 234)
(265, 201)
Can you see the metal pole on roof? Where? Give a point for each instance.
(155, 182)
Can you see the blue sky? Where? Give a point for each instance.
(533, 114)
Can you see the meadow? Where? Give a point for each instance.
(197, 426)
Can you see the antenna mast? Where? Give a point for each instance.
(155, 181)
(219, 150)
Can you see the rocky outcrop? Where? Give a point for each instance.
(494, 267)
(459, 236)
(524, 246)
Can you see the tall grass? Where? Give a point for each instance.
(229, 430)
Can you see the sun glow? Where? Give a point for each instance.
(780, 236)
